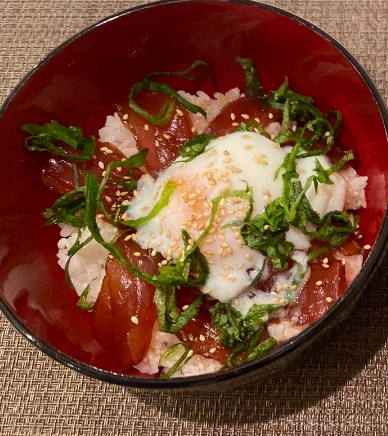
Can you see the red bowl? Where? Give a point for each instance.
(79, 84)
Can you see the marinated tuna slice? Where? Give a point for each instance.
(240, 111)
(58, 174)
(162, 142)
(102, 319)
(130, 304)
(199, 334)
(322, 290)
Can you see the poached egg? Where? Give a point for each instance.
(229, 163)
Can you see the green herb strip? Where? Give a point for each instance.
(162, 118)
(170, 319)
(195, 146)
(82, 303)
(68, 209)
(242, 334)
(253, 126)
(159, 205)
(252, 83)
(183, 359)
(43, 138)
(266, 233)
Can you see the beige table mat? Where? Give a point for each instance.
(343, 390)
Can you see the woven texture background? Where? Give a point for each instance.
(342, 390)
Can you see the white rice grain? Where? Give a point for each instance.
(284, 330)
(117, 134)
(87, 266)
(212, 106)
(355, 189)
(160, 342)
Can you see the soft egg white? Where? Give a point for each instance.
(233, 162)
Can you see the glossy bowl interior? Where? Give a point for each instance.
(79, 84)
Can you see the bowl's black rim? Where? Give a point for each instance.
(283, 350)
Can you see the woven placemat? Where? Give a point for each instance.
(342, 390)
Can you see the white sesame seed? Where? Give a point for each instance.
(134, 320)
